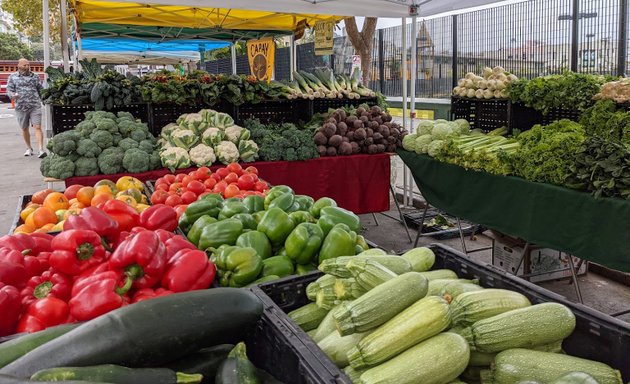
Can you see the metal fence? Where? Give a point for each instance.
(531, 38)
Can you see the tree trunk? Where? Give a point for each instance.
(362, 42)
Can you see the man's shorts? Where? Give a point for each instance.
(30, 117)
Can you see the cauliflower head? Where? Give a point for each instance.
(212, 136)
(184, 138)
(175, 158)
(227, 152)
(202, 155)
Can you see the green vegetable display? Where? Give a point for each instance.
(277, 142)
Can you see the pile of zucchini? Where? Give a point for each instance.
(184, 338)
(388, 319)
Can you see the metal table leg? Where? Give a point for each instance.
(402, 218)
(461, 235)
(421, 225)
(575, 280)
(525, 252)
(375, 219)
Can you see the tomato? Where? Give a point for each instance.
(169, 178)
(188, 197)
(231, 178)
(56, 201)
(173, 200)
(220, 187)
(180, 209)
(260, 186)
(161, 181)
(216, 177)
(221, 173)
(159, 197)
(196, 186)
(186, 180)
(236, 168)
(71, 192)
(176, 188)
(231, 191)
(162, 187)
(246, 182)
(251, 169)
(42, 216)
(209, 183)
(179, 177)
(85, 195)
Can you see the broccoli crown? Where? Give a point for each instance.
(86, 166)
(307, 152)
(85, 128)
(65, 143)
(126, 126)
(57, 166)
(136, 160)
(103, 139)
(96, 115)
(110, 160)
(117, 137)
(108, 125)
(127, 144)
(290, 154)
(138, 135)
(125, 115)
(155, 162)
(88, 148)
(147, 146)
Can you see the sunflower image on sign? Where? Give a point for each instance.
(261, 54)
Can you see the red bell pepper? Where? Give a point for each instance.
(159, 216)
(96, 220)
(148, 293)
(22, 243)
(175, 244)
(44, 313)
(142, 257)
(189, 269)
(9, 308)
(76, 250)
(48, 284)
(125, 215)
(99, 294)
(164, 235)
(36, 265)
(42, 242)
(12, 271)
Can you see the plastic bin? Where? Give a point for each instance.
(322, 105)
(597, 336)
(17, 220)
(555, 114)
(414, 219)
(66, 117)
(274, 111)
(485, 114)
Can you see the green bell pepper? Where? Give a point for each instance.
(231, 208)
(277, 265)
(304, 242)
(331, 216)
(264, 279)
(254, 203)
(277, 225)
(195, 230)
(321, 203)
(303, 269)
(195, 210)
(258, 216)
(219, 233)
(247, 220)
(282, 251)
(256, 240)
(212, 196)
(340, 241)
(302, 217)
(284, 201)
(238, 266)
(362, 243)
(276, 192)
(305, 202)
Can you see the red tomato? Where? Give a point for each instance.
(159, 197)
(209, 183)
(251, 169)
(176, 188)
(170, 178)
(186, 180)
(71, 192)
(220, 187)
(202, 174)
(161, 181)
(180, 209)
(162, 187)
(246, 182)
(231, 178)
(260, 186)
(221, 173)
(236, 168)
(216, 177)
(231, 191)
(188, 197)
(173, 200)
(180, 177)
(196, 187)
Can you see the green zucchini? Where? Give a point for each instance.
(326, 297)
(353, 374)
(348, 289)
(514, 365)
(472, 374)
(439, 274)
(117, 374)
(471, 307)
(451, 290)
(421, 259)
(9, 379)
(424, 319)
(18, 347)
(369, 273)
(576, 378)
(326, 327)
(437, 285)
(338, 266)
(380, 304)
(314, 287)
(149, 333)
(437, 360)
(521, 328)
(311, 333)
(308, 316)
(237, 369)
(373, 252)
(336, 347)
(205, 361)
(481, 359)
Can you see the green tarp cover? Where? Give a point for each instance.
(559, 218)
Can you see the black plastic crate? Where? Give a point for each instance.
(66, 117)
(523, 117)
(597, 336)
(322, 105)
(164, 114)
(414, 219)
(555, 114)
(17, 220)
(485, 114)
(274, 111)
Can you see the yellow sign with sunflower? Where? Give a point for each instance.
(261, 55)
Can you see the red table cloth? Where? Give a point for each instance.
(359, 183)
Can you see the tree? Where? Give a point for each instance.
(27, 15)
(362, 42)
(11, 48)
(226, 52)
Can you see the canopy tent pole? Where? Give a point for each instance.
(233, 56)
(292, 58)
(47, 118)
(414, 72)
(64, 36)
(404, 102)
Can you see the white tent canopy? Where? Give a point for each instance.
(368, 8)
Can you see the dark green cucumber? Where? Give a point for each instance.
(18, 347)
(237, 369)
(205, 361)
(8, 379)
(149, 333)
(117, 374)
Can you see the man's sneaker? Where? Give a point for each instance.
(29, 152)
(42, 154)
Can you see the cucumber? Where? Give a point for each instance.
(117, 374)
(149, 333)
(8, 379)
(205, 361)
(237, 369)
(18, 347)
(308, 316)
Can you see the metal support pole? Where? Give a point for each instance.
(412, 107)
(623, 36)
(202, 57)
(575, 29)
(233, 56)
(292, 57)
(404, 102)
(454, 64)
(64, 36)
(381, 60)
(47, 126)
(575, 280)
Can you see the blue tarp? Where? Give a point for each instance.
(130, 45)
